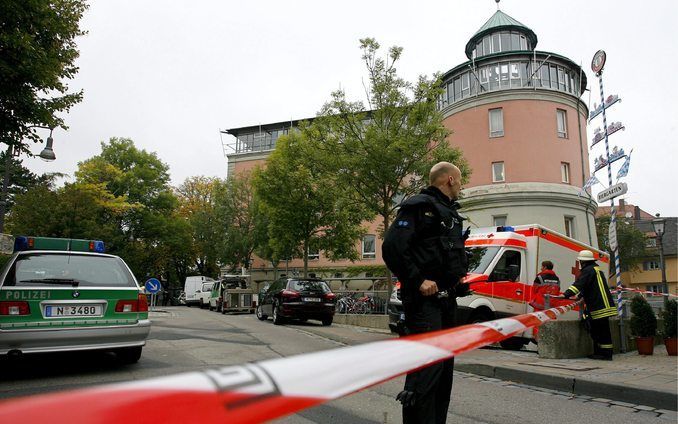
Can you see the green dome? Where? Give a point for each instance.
(498, 22)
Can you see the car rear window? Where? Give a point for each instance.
(309, 285)
(54, 269)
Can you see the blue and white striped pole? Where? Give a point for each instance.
(613, 221)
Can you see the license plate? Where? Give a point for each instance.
(311, 299)
(52, 311)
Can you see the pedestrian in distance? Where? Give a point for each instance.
(424, 247)
(546, 282)
(592, 286)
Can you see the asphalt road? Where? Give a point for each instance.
(187, 339)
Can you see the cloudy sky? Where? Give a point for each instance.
(171, 74)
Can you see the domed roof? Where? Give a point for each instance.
(499, 21)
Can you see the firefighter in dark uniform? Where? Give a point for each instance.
(424, 248)
(592, 286)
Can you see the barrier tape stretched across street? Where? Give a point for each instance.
(644, 292)
(268, 389)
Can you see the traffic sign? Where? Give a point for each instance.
(152, 285)
(612, 192)
(598, 61)
(612, 235)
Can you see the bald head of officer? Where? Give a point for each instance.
(447, 178)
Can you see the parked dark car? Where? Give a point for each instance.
(297, 298)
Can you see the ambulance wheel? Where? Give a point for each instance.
(260, 314)
(513, 343)
(129, 355)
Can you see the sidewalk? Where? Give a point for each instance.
(629, 378)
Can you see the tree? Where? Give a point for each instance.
(22, 179)
(37, 53)
(385, 151)
(307, 208)
(197, 207)
(236, 217)
(631, 242)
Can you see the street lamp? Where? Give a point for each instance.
(47, 154)
(658, 226)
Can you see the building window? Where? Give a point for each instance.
(650, 265)
(651, 242)
(499, 220)
(569, 226)
(313, 254)
(498, 172)
(565, 172)
(496, 122)
(561, 118)
(369, 247)
(657, 288)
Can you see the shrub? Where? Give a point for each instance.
(643, 322)
(668, 314)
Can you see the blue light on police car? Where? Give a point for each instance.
(99, 246)
(20, 244)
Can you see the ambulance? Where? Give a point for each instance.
(59, 295)
(504, 263)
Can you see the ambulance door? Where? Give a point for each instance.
(507, 288)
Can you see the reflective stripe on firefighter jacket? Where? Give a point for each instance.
(592, 286)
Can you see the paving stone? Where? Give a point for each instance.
(626, 404)
(601, 400)
(648, 414)
(668, 415)
(644, 408)
(580, 400)
(622, 408)
(562, 397)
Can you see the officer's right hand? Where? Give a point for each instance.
(428, 288)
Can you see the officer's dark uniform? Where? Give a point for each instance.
(426, 242)
(592, 286)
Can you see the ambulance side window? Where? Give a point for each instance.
(508, 267)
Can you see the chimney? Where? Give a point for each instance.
(636, 213)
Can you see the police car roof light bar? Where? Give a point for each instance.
(23, 243)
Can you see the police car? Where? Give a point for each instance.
(66, 295)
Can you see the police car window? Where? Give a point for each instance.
(309, 285)
(50, 269)
(480, 259)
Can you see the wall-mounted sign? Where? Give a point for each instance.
(612, 192)
(598, 61)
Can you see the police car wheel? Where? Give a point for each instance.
(513, 343)
(327, 321)
(129, 355)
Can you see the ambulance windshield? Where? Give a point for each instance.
(480, 258)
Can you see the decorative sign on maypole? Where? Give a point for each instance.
(597, 65)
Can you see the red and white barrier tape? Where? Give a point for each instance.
(265, 390)
(643, 292)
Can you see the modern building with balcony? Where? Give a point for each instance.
(516, 114)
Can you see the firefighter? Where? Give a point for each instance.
(425, 248)
(592, 286)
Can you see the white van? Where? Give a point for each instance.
(193, 287)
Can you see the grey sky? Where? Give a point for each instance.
(170, 74)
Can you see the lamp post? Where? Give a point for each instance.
(658, 226)
(47, 155)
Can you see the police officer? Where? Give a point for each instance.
(425, 248)
(592, 286)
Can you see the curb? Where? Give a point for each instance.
(648, 397)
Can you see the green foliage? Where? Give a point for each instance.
(307, 208)
(643, 321)
(197, 202)
(384, 151)
(669, 316)
(37, 53)
(631, 242)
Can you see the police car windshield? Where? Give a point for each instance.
(40, 269)
(481, 258)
